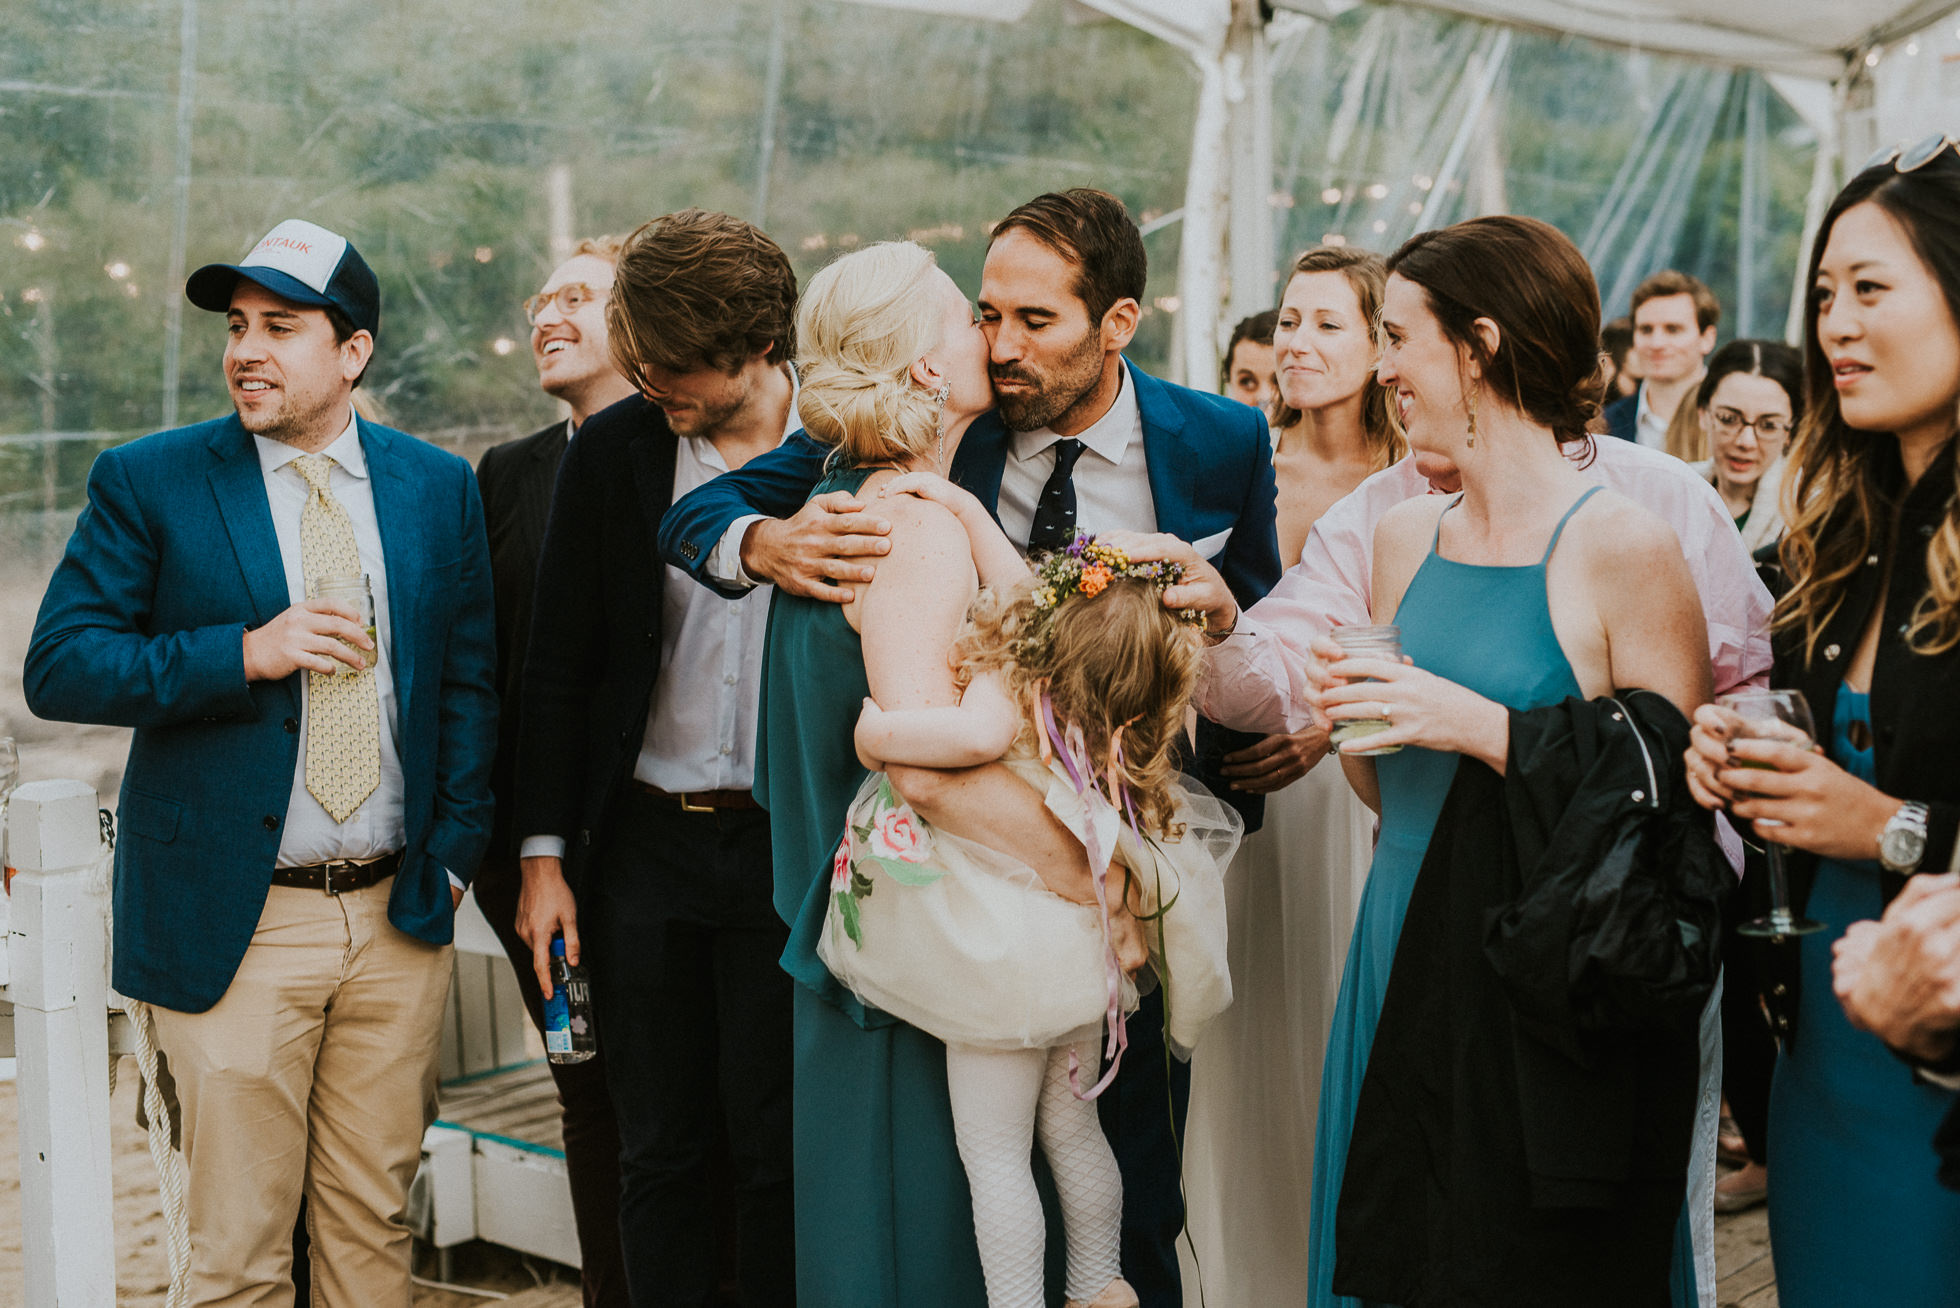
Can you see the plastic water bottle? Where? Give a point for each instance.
(568, 1033)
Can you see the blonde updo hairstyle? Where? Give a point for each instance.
(863, 322)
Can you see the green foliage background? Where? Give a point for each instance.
(424, 132)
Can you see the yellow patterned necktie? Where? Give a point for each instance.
(343, 729)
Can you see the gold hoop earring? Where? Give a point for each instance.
(1470, 402)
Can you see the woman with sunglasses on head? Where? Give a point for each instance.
(1747, 406)
(1869, 632)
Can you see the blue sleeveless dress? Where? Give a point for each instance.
(1856, 1215)
(1489, 629)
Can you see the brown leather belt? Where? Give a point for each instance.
(701, 801)
(339, 876)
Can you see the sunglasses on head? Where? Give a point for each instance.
(1911, 158)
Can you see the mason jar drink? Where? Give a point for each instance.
(357, 595)
(1383, 642)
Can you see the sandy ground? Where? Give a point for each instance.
(142, 1262)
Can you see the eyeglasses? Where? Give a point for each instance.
(570, 298)
(1768, 427)
(1911, 158)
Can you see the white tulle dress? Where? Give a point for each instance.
(969, 944)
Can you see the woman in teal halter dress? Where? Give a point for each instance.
(1489, 629)
(1488, 332)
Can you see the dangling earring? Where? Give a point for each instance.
(1470, 402)
(945, 393)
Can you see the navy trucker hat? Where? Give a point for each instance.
(301, 262)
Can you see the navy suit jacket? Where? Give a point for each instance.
(143, 624)
(1210, 461)
(1623, 417)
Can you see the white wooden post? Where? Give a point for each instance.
(57, 949)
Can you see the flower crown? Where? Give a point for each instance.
(1085, 567)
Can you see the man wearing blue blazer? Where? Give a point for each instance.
(308, 788)
(1080, 438)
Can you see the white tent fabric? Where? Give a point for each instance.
(1812, 38)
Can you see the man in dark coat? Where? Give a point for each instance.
(568, 344)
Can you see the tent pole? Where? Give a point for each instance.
(1823, 185)
(1249, 97)
(1201, 244)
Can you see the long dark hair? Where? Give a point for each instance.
(1530, 279)
(1838, 505)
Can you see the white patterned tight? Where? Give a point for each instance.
(1001, 1099)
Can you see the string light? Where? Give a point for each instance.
(1415, 207)
(117, 270)
(503, 345)
(33, 240)
(32, 295)
(1334, 239)
(1169, 303)
(1378, 192)
(1380, 227)
(484, 254)
(1332, 195)
(1424, 183)
(129, 289)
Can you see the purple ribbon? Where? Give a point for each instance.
(1073, 751)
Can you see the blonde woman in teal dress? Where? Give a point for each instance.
(893, 371)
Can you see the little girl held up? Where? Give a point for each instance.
(1078, 679)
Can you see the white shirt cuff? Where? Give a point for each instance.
(542, 847)
(725, 559)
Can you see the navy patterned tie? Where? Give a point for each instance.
(1054, 512)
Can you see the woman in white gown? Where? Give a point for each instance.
(1292, 893)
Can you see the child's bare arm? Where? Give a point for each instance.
(977, 730)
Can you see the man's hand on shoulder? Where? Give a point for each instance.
(820, 552)
(308, 637)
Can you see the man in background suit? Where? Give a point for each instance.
(574, 363)
(637, 754)
(1083, 438)
(1674, 321)
(306, 795)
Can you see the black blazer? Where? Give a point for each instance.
(516, 480)
(594, 649)
(1915, 700)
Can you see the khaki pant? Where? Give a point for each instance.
(316, 1071)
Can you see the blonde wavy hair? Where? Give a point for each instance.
(1116, 661)
(1840, 500)
(863, 322)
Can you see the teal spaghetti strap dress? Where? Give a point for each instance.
(1488, 629)
(883, 1217)
(1856, 1215)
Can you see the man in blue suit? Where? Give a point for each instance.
(1080, 438)
(308, 789)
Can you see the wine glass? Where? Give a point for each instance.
(1772, 715)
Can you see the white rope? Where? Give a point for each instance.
(170, 1173)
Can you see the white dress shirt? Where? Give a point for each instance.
(1112, 480)
(1649, 428)
(701, 727)
(376, 827)
(700, 732)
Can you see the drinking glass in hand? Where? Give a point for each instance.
(356, 594)
(1772, 715)
(1358, 642)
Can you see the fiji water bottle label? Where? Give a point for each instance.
(557, 1023)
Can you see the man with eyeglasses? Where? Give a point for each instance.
(574, 362)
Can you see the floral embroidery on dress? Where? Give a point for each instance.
(892, 839)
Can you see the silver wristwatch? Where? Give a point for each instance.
(1903, 841)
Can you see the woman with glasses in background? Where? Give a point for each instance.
(1747, 405)
(1869, 631)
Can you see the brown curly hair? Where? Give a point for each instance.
(1116, 660)
(696, 289)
